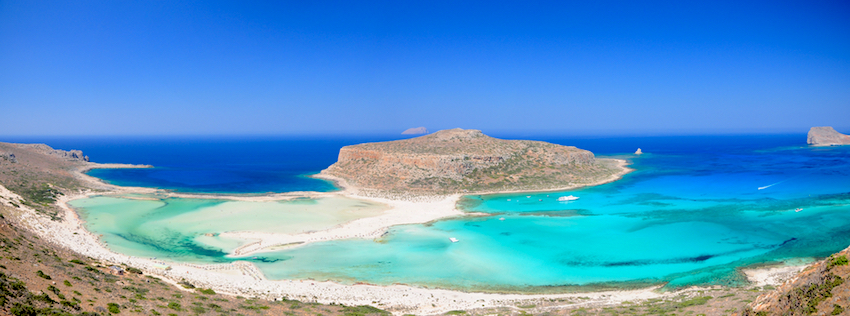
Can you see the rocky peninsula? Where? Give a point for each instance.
(467, 161)
(827, 136)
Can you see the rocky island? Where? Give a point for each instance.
(467, 161)
(826, 136)
(415, 131)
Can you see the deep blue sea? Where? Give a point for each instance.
(695, 210)
(212, 165)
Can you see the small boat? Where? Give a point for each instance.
(509, 200)
(501, 218)
(453, 239)
(539, 200)
(568, 198)
(797, 210)
(528, 196)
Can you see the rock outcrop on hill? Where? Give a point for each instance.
(827, 136)
(9, 157)
(415, 131)
(460, 160)
(74, 155)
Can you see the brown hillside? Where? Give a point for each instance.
(819, 290)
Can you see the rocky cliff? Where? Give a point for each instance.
(460, 160)
(827, 136)
(818, 290)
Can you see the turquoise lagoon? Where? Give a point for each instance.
(188, 229)
(691, 214)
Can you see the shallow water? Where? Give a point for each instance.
(691, 214)
(180, 229)
(681, 219)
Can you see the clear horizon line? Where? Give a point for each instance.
(501, 133)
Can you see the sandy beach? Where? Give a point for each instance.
(242, 278)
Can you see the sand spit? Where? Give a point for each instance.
(243, 278)
(400, 212)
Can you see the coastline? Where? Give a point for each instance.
(243, 278)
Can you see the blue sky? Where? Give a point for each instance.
(313, 67)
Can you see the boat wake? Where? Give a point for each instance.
(770, 185)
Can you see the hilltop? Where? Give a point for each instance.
(467, 161)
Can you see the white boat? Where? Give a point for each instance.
(453, 239)
(797, 210)
(501, 218)
(528, 196)
(568, 198)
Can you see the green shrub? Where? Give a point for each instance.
(837, 261)
(837, 309)
(363, 310)
(207, 291)
(44, 298)
(134, 270)
(695, 301)
(113, 308)
(174, 306)
(67, 283)
(23, 310)
(42, 275)
(77, 261)
(71, 304)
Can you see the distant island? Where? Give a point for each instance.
(827, 136)
(415, 131)
(467, 161)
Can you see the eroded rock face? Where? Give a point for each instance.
(827, 136)
(457, 160)
(75, 155)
